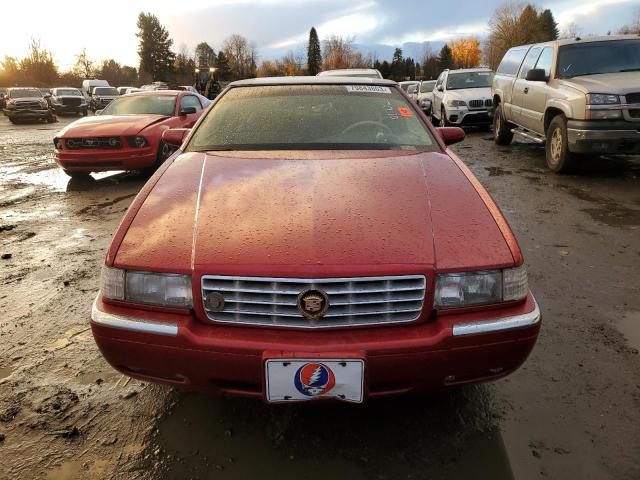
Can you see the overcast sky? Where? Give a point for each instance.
(107, 29)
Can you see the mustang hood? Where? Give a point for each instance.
(312, 213)
(104, 125)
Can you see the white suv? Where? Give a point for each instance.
(462, 98)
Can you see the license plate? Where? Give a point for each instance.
(299, 380)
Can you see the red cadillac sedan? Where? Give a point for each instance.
(127, 134)
(314, 238)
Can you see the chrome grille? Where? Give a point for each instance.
(488, 102)
(93, 143)
(352, 301)
(71, 102)
(478, 104)
(34, 104)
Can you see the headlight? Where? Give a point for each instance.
(480, 288)
(137, 142)
(425, 102)
(602, 99)
(161, 289)
(457, 103)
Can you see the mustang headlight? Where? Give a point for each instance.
(602, 99)
(137, 142)
(480, 288)
(161, 289)
(457, 103)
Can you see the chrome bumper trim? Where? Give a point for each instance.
(499, 324)
(131, 323)
(575, 135)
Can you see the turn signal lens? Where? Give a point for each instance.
(112, 283)
(515, 284)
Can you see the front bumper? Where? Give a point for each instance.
(464, 117)
(447, 350)
(27, 113)
(70, 108)
(105, 160)
(613, 137)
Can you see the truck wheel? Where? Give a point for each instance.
(13, 120)
(559, 158)
(434, 121)
(443, 117)
(502, 133)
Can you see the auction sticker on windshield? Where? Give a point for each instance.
(368, 89)
(311, 379)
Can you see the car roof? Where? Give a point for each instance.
(467, 70)
(326, 80)
(63, 88)
(573, 41)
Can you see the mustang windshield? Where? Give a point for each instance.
(458, 81)
(592, 58)
(312, 117)
(142, 104)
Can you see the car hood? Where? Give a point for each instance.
(469, 94)
(312, 214)
(616, 83)
(103, 125)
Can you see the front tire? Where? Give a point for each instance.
(559, 158)
(443, 117)
(502, 133)
(434, 121)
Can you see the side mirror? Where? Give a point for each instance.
(175, 136)
(440, 88)
(187, 111)
(47, 95)
(451, 135)
(536, 75)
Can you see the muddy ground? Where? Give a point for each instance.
(572, 411)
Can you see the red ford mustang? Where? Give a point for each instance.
(314, 238)
(127, 135)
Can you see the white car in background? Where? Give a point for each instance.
(352, 72)
(424, 95)
(407, 84)
(462, 98)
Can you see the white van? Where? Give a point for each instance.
(89, 85)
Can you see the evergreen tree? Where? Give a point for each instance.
(446, 58)
(156, 57)
(548, 26)
(222, 63)
(314, 55)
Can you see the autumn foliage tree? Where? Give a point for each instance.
(465, 52)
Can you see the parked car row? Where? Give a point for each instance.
(27, 104)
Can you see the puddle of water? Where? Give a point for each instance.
(5, 372)
(399, 438)
(629, 325)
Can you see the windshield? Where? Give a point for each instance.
(598, 57)
(72, 92)
(105, 91)
(142, 104)
(312, 117)
(426, 87)
(25, 93)
(458, 81)
(405, 86)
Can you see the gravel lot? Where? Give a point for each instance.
(572, 411)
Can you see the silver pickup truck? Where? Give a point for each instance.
(577, 96)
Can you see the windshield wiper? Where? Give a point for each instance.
(630, 70)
